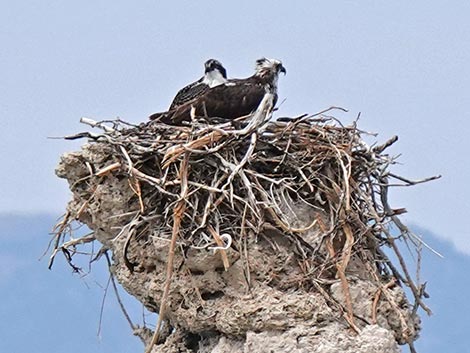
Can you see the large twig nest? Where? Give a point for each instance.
(233, 228)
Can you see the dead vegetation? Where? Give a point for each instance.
(222, 186)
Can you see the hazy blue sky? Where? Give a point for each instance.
(404, 65)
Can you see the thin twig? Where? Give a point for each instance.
(177, 217)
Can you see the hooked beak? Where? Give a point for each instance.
(283, 70)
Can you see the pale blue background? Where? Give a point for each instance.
(403, 65)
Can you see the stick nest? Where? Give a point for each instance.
(210, 185)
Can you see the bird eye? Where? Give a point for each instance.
(260, 61)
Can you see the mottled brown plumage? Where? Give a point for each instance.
(235, 98)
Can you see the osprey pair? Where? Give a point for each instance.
(216, 96)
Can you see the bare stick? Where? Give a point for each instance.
(178, 213)
(94, 123)
(116, 292)
(221, 245)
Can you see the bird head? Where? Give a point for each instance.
(212, 64)
(265, 66)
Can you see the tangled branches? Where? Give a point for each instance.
(211, 185)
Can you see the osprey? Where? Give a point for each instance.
(232, 99)
(214, 75)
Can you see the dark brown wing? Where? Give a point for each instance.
(229, 101)
(162, 116)
(232, 100)
(189, 92)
